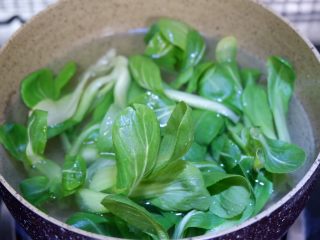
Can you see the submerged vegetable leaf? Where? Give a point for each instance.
(78, 101)
(146, 73)
(249, 76)
(14, 138)
(278, 156)
(226, 50)
(162, 52)
(90, 222)
(195, 48)
(231, 194)
(37, 86)
(196, 219)
(136, 139)
(195, 153)
(167, 219)
(230, 202)
(64, 76)
(90, 201)
(281, 79)
(256, 108)
(41, 84)
(207, 126)
(37, 135)
(134, 215)
(73, 173)
(105, 143)
(161, 105)
(36, 189)
(208, 168)
(263, 189)
(104, 178)
(178, 136)
(174, 31)
(185, 192)
(216, 84)
(199, 72)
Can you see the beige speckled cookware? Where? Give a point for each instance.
(48, 37)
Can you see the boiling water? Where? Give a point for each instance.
(128, 44)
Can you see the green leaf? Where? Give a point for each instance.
(226, 50)
(199, 71)
(134, 215)
(90, 222)
(230, 154)
(208, 168)
(231, 194)
(146, 73)
(195, 153)
(36, 189)
(230, 202)
(101, 108)
(41, 85)
(185, 192)
(263, 189)
(105, 143)
(64, 76)
(74, 106)
(161, 105)
(136, 139)
(104, 178)
(167, 219)
(249, 76)
(37, 86)
(207, 126)
(216, 84)
(174, 31)
(178, 135)
(281, 79)
(73, 173)
(183, 78)
(278, 156)
(195, 49)
(162, 52)
(90, 201)
(37, 135)
(14, 139)
(256, 108)
(196, 219)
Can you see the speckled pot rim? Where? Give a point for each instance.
(247, 223)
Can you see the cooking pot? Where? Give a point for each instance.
(58, 33)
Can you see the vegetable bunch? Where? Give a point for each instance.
(147, 158)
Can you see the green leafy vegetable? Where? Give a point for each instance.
(226, 50)
(146, 73)
(207, 126)
(90, 201)
(90, 222)
(14, 138)
(134, 215)
(178, 135)
(276, 155)
(256, 108)
(36, 189)
(73, 173)
(136, 139)
(196, 219)
(281, 79)
(263, 189)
